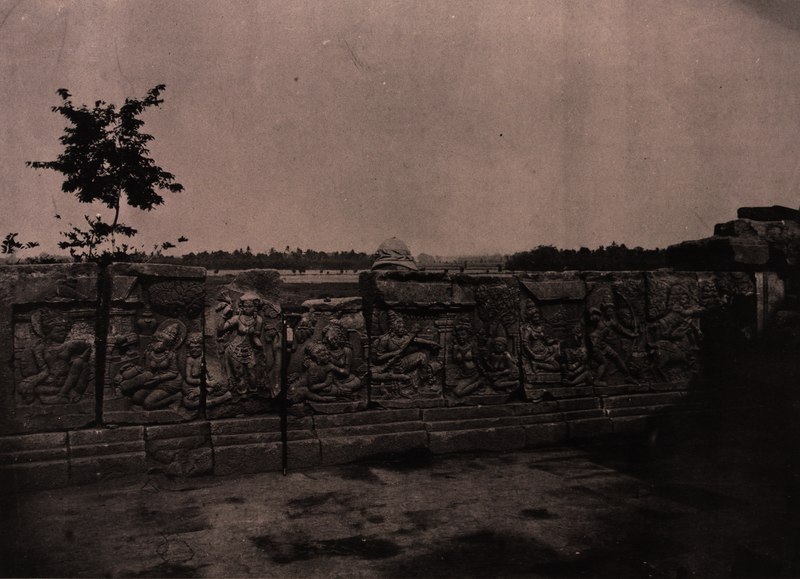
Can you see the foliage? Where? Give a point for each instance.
(10, 244)
(611, 258)
(105, 159)
(287, 259)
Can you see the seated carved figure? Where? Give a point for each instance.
(156, 383)
(193, 370)
(340, 352)
(464, 357)
(501, 367)
(55, 370)
(316, 382)
(576, 361)
(540, 354)
(402, 357)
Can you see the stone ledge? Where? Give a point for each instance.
(343, 449)
(496, 439)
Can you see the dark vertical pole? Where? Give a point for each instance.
(101, 336)
(203, 367)
(282, 396)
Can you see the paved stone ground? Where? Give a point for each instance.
(708, 506)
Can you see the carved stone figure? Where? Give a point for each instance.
(340, 351)
(576, 361)
(501, 366)
(316, 382)
(248, 355)
(157, 382)
(673, 338)
(540, 354)
(193, 370)
(403, 358)
(464, 357)
(54, 370)
(607, 349)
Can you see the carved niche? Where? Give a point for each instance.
(327, 365)
(616, 328)
(407, 358)
(554, 357)
(155, 355)
(54, 358)
(482, 365)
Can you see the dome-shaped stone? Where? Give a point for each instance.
(394, 254)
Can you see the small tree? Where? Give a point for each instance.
(106, 157)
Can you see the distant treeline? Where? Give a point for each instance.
(297, 260)
(611, 258)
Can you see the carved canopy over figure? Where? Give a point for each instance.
(55, 370)
(157, 382)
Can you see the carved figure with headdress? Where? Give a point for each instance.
(56, 370)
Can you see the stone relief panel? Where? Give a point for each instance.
(554, 356)
(47, 335)
(327, 365)
(482, 340)
(54, 359)
(155, 349)
(407, 358)
(672, 332)
(242, 337)
(616, 328)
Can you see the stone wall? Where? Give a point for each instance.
(192, 375)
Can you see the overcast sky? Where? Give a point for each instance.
(460, 127)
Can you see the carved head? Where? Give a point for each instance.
(166, 338)
(532, 313)
(334, 336)
(462, 331)
(595, 314)
(500, 344)
(397, 325)
(249, 304)
(54, 326)
(194, 345)
(319, 353)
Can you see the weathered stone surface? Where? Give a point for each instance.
(243, 344)
(545, 434)
(589, 427)
(554, 356)
(33, 462)
(327, 358)
(179, 450)
(342, 449)
(495, 439)
(368, 417)
(102, 453)
(47, 332)
(155, 347)
(636, 400)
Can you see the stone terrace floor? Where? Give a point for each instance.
(716, 505)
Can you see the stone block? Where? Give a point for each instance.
(581, 414)
(47, 333)
(155, 344)
(546, 434)
(179, 450)
(366, 429)
(104, 453)
(638, 400)
(344, 449)
(773, 213)
(571, 404)
(33, 476)
(493, 439)
(246, 458)
(465, 413)
(475, 423)
(367, 417)
(631, 424)
(238, 317)
(589, 428)
(33, 462)
(719, 253)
